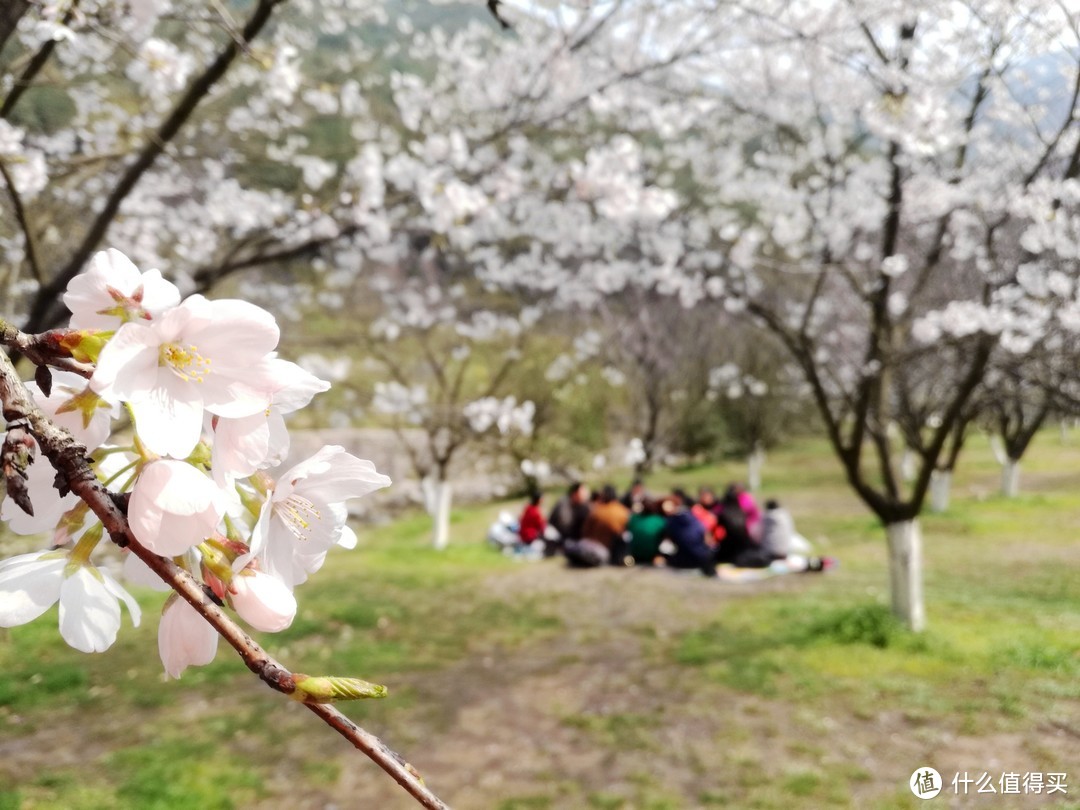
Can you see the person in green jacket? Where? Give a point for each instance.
(646, 529)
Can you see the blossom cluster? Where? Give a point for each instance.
(205, 396)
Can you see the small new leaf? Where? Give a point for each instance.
(330, 689)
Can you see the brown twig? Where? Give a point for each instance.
(50, 348)
(32, 259)
(69, 459)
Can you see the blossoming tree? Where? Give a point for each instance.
(446, 372)
(898, 182)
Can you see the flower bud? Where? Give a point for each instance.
(263, 601)
(84, 345)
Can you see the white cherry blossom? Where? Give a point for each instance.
(200, 355)
(185, 639)
(89, 598)
(304, 515)
(112, 291)
(174, 507)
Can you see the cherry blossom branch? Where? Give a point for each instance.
(26, 78)
(53, 348)
(45, 300)
(69, 459)
(24, 222)
(10, 14)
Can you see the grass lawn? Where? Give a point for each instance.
(530, 686)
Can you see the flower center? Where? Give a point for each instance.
(298, 514)
(184, 361)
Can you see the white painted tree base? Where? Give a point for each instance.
(905, 573)
(755, 463)
(1010, 478)
(940, 490)
(438, 495)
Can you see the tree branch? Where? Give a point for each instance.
(26, 78)
(45, 301)
(24, 223)
(69, 459)
(47, 349)
(11, 11)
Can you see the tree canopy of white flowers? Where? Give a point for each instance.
(885, 187)
(448, 363)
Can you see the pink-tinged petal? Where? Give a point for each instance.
(185, 639)
(174, 323)
(175, 486)
(240, 332)
(29, 585)
(346, 476)
(262, 600)
(89, 614)
(279, 439)
(174, 507)
(169, 419)
(127, 367)
(305, 564)
(159, 294)
(117, 590)
(180, 533)
(241, 446)
(347, 538)
(297, 385)
(233, 396)
(138, 573)
(260, 531)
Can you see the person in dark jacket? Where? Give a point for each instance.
(569, 513)
(737, 547)
(688, 536)
(635, 497)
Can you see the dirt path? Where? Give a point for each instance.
(596, 716)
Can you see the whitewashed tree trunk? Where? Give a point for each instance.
(1010, 477)
(755, 462)
(908, 466)
(438, 496)
(905, 573)
(997, 447)
(940, 486)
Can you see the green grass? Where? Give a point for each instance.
(769, 695)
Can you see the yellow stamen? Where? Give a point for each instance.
(299, 515)
(184, 361)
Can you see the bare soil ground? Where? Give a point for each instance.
(596, 716)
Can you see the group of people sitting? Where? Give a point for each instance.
(676, 530)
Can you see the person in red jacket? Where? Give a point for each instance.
(532, 523)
